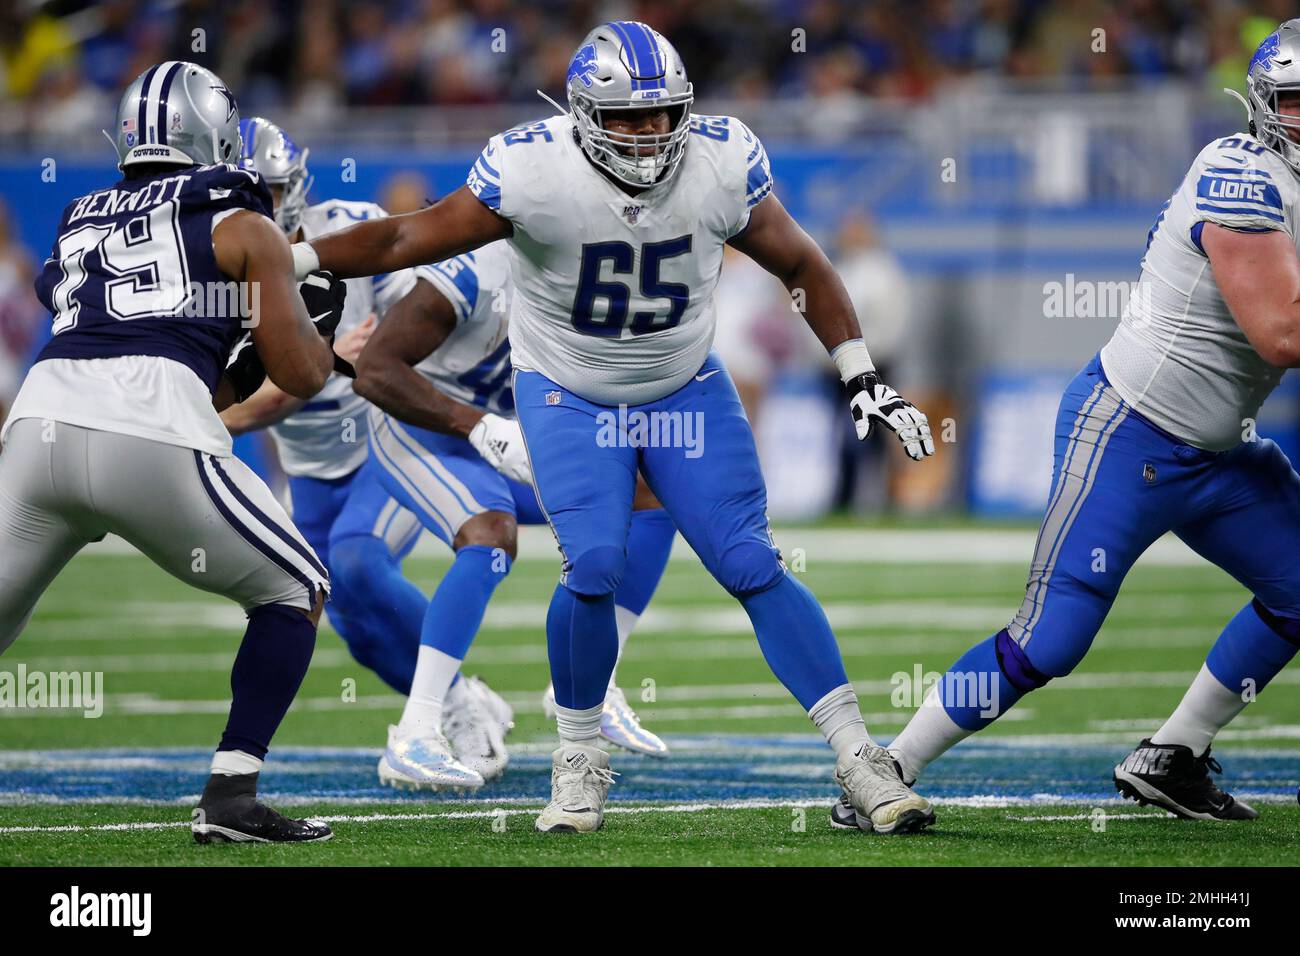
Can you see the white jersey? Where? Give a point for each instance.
(1178, 356)
(473, 364)
(327, 438)
(614, 292)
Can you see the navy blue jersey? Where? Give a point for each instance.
(133, 271)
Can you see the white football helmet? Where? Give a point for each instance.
(268, 150)
(625, 65)
(1276, 66)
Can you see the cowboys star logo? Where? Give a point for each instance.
(230, 100)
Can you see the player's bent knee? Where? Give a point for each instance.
(1017, 667)
(748, 568)
(1285, 625)
(490, 529)
(597, 571)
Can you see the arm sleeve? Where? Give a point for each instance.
(484, 178)
(751, 158)
(457, 281)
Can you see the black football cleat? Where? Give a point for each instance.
(1170, 776)
(229, 812)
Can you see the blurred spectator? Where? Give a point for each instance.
(20, 312)
(405, 192)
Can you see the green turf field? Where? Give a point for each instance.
(747, 783)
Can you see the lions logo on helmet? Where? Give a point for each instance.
(268, 150)
(204, 120)
(625, 65)
(1275, 67)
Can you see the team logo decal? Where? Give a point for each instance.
(1264, 55)
(229, 98)
(583, 66)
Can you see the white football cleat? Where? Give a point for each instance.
(619, 723)
(424, 762)
(580, 781)
(473, 730)
(503, 712)
(881, 801)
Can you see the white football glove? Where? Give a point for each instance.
(501, 442)
(872, 400)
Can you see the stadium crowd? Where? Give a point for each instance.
(61, 60)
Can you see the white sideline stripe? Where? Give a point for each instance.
(837, 546)
(978, 801)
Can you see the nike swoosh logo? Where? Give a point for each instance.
(700, 378)
(317, 318)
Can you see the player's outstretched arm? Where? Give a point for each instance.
(457, 223)
(412, 330)
(777, 243)
(1258, 275)
(250, 248)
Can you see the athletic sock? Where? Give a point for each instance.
(453, 618)
(796, 640)
(972, 694)
(582, 644)
(272, 661)
(579, 727)
(1248, 654)
(625, 622)
(839, 718)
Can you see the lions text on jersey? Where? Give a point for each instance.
(614, 292)
(1178, 356)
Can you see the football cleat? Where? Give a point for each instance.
(472, 729)
(229, 812)
(1170, 776)
(580, 781)
(875, 793)
(424, 762)
(503, 712)
(620, 725)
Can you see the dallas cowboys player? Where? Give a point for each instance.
(1156, 435)
(616, 214)
(445, 443)
(115, 428)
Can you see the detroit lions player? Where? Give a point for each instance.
(445, 442)
(616, 214)
(322, 441)
(115, 428)
(1156, 435)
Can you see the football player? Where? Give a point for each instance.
(151, 283)
(1156, 434)
(445, 442)
(616, 214)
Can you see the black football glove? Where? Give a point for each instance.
(324, 295)
(873, 401)
(244, 368)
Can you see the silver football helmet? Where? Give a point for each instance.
(177, 112)
(268, 150)
(1276, 66)
(624, 65)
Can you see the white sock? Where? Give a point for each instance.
(626, 621)
(434, 672)
(928, 735)
(580, 727)
(233, 763)
(1205, 709)
(839, 718)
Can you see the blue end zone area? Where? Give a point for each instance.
(702, 769)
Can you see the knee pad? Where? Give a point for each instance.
(1287, 628)
(596, 572)
(1016, 666)
(748, 568)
